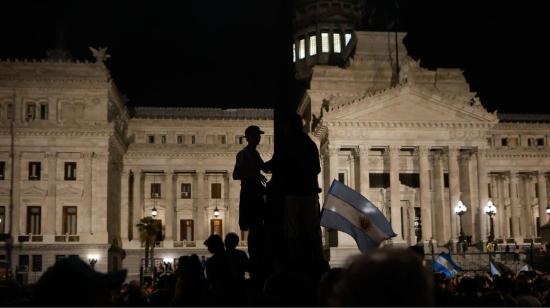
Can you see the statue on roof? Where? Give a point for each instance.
(100, 54)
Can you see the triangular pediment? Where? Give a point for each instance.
(69, 191)
(408, 104)
(34, 191)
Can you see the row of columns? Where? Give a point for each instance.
(437, 213)
(133, 203)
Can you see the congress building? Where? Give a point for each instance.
(79, 168)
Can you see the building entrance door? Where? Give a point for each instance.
(216, 227)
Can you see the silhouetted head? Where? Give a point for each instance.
(384, 277)
(292, 124)
(231, 241)
(72, 282)
(214, 243)
(253, 134)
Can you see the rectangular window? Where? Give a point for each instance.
(342, 177)
(36, 263)
(151, 139)
(69, 219)
(179, 139)
(504, 142)
(324, 42)
(220, 139)
(337, 43)
(536, 190)
(31, 112)
(446, 180)
(216, 227)
(192, 139)
(240, 140)
(530, 142)
(187, 230)
(34, 217)
(155, 190)
(293, 52)
(489, 190)
(185, 190)
(347, 38)
(540, 142)
(23, 263)
(216, 191)
(302, 49)
(70, 171)
(379, 180)
(34, 170)
(163, 139)
(410, 179)
(44, 111)
(9, 112)
(2, 219)
(2, 170)
(312, 45)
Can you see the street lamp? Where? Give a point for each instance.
(548, 209)
(460, 209)
(491, 210)
(216, 212)
(154, 212)
(92, 259)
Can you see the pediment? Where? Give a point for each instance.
(69, 191)
(34, 191)
(407, 104)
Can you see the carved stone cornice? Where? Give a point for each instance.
(407, 124)
(67, 132)
(180, 154)
(516, 155)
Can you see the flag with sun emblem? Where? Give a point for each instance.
(348, 211)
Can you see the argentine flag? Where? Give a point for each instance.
(445, 264)
(348, 211)
(494, 269)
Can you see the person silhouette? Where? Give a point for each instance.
(238, 263)
(296, 167)
(251, 207)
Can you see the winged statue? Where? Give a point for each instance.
(100, 54)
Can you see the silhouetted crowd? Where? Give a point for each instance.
(381, 277)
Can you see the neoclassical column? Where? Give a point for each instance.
(85, 211)
(333, 151)
(352, 171)
(364, 170)
(169, 205)
(137, 201)
(425, 197)
(124, 209)
(199, 206)
(543, 197)
(438, 204)
(483, 193)
(395, 195)
(515, 206)
(454, 190)
(233, 208)
(16, 227)
(527, 211)
(501, 217)
(50, 225)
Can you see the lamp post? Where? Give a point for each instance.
(92, 259)
(491, 210)
(154, 212)
(460, 209)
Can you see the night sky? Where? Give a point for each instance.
(223, 53)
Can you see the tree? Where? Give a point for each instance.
(148, 230)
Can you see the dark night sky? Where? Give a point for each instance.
(221, 53)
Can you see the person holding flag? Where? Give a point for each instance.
(445, 265)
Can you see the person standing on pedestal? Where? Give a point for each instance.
(252, 206)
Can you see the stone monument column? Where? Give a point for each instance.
(543, 197)
(483, 192)
(425, 196)
(137, 202)
(454, 190)
(200, 204)
(50, 226)
(170, 213)
(124, 210)
(438, 204)
(364, 170)
(85, 211)
(395, 195)
(515, 206)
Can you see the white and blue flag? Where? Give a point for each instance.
(494, 269)
(445, 264)
(348, 211)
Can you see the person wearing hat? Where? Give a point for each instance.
(247, 169)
